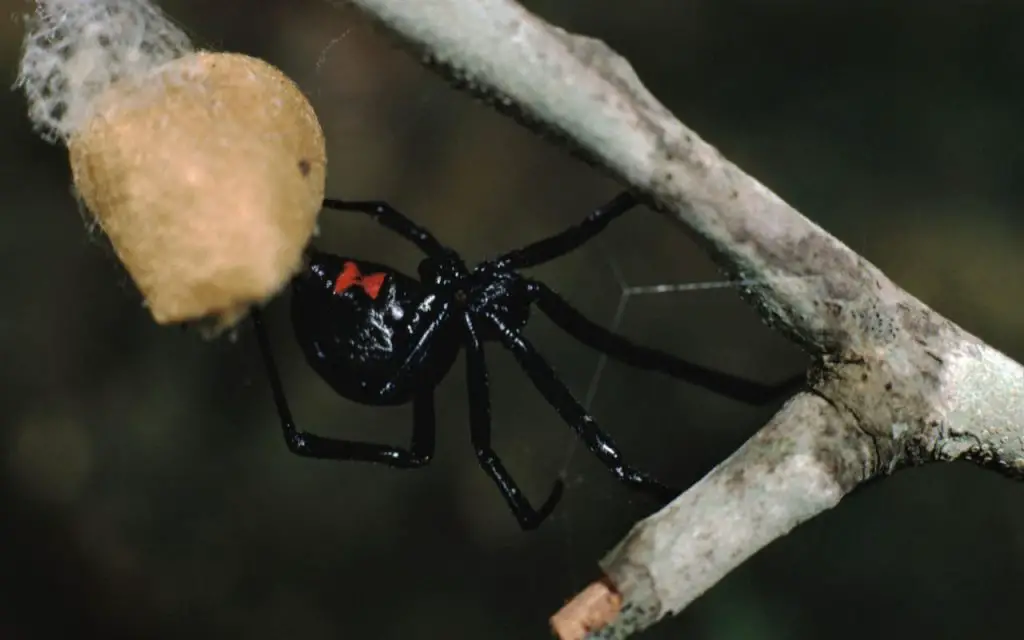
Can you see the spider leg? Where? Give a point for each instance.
(570, 239)
(434, 322)
(480, 426)
(573, 413)
(616, 346)
(309, 445)
(389, 217)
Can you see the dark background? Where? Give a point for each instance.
(146, 490)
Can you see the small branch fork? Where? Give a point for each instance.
(894, 383)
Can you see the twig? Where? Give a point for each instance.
(894, 383)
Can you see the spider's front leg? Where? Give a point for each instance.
(573, 413)
(480, 426)
(624, 350)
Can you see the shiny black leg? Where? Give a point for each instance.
(616, 346)
(310, 445)
(570, 239)
(480, 425)
(389, 217)
(559, 397)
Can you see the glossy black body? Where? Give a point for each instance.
(358, 345)
(380, 337)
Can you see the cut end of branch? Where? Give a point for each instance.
(593, 608)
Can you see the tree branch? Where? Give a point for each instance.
(894, 383)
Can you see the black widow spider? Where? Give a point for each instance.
(380, 337)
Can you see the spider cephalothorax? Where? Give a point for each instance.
(380, 337)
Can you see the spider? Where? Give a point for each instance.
(380, 337)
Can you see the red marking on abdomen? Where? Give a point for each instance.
(350, 276)
(372, 284)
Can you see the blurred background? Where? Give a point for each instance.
(147, 492)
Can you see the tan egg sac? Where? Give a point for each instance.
(207, 175)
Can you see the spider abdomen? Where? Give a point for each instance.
(359, 325)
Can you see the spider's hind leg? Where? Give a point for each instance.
(390, 218)
(419, 453)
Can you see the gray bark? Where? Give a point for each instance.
(894, 383)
